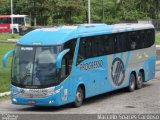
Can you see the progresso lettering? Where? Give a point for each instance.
(91, 65)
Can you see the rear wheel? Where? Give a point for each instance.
(79, 97)
(139, 81)
(132, 83)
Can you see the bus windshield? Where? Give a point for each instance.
(35, 67)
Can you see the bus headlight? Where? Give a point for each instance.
(15, 91)
(14, 100)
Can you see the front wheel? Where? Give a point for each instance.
(79, 97)
(132, 83)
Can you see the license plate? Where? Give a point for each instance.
(31, 101)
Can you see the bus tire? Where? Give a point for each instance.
(132, 83)
(15, 30)
(79, 97)
(139, 81)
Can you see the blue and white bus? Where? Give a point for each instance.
(66, 64)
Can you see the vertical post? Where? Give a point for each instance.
(12, 16)
(35, 14)
(103, 11)
(89, 11)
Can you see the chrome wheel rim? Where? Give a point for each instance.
(79, 96)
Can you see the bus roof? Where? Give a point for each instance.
(9, 16)
(58, 35)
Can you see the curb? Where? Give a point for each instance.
(5, 94)
(12, 40)
(157, 46)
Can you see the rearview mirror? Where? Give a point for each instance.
(5, 58)
(60, 57)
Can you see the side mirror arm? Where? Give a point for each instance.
(60, 57)
(5, 58)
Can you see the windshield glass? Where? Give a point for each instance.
(35, 67)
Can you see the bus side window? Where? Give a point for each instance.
(0, 20)
(82, 51)
(121, 44)
(88, 48)
(94, 46)
(68, 58)
(142, 39)
(132, 40)
(150, 38)
(109, 44)
(9, 20)
(65, 67)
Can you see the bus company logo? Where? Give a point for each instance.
(117, 71)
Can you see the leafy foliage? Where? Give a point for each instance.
(54, 12)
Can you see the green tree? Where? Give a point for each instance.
(55, 12)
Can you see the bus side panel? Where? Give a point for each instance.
(118, 68)
(93, 73)
(150, 64)
(100, 80)
(5, 28)
(149, 67)
(143, 59)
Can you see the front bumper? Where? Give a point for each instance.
(36, 97)
(48, 101)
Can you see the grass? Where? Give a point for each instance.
(5, 74)
(158, 39)
(5, 36)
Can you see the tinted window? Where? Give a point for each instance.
(5, 20)
(133, 39)
(141, 39)
(109, 45)
(150, 38)
(114, 43)
(68, 58)
(95, 46)
(121, 42)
